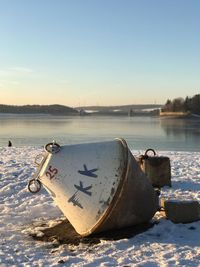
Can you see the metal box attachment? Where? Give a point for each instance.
(98, 186)
(156, 168)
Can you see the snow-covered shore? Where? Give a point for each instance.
(165, 244)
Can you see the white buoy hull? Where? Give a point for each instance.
(98, 186)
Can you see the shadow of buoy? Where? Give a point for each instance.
(64, 233)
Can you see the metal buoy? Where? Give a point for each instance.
(98, 186)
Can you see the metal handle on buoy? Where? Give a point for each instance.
(145, 156)
(52, 148)
(34, 186)
(148, 150)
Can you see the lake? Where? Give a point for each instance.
(139, 132)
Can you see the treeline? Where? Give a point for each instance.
(38, 109)
(189, 104)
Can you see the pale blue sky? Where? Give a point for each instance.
(105, 52)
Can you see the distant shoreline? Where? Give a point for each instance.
(60, 110)
(179, 115)
(164, 114)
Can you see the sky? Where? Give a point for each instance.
(98, 52)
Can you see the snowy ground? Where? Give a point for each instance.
(165, 244)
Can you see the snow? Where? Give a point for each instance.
(22, 213)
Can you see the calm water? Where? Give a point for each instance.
(139, 132)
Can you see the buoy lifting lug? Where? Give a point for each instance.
(52, 148)
(34, 186)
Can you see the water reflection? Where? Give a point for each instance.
(139, 132)
(184, 131)
(184, 128)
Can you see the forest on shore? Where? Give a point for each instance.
(189, 104)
